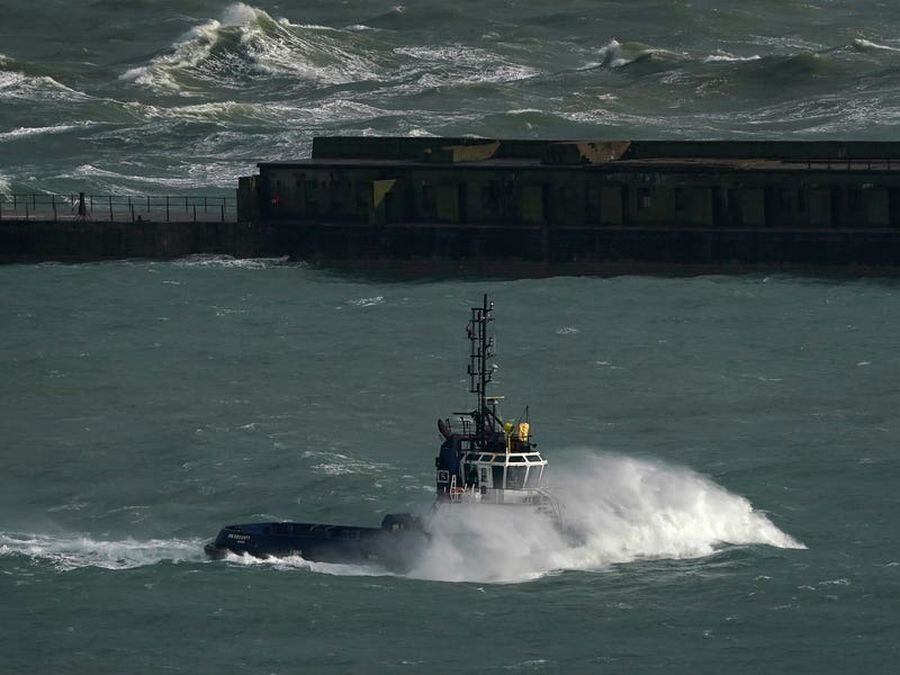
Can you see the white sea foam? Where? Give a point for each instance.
(27, 132)
(296, 562)
(187, 52)
(91, 171)
(457, 63)
(611, 55)
(246, 42)
(16, 85)
(615, 54)
(74, 552)
(618, 510)
(868, 45)
(230, 262)
(725, 57)
(367, 302)
(338, 464)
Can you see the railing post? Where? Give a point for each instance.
(223, 210)
(53, 199)
(110, 209)
(204, 205)
(167, 208)
(131, 208)
(148, 206)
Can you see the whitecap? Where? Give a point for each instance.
(229, 262)
(27, 132)
(16, 85)
(462, 64)
(868, 45)
(367, 302)
(338, 464)
(252, 43)
(72, 552)
(725, 57)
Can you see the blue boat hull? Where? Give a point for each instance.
(393, 546)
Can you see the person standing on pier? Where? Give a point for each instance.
(82, 207)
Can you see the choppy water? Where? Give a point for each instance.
(185, 95)
(728, 447)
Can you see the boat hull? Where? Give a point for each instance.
(394, 546)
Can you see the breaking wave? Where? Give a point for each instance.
(29, 132)
(15, 84)
(249, 43)
(70, 553)
(867, 45)
(616, 510)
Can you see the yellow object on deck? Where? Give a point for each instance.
(524, 430)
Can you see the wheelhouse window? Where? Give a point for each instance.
(471, 473)
(534, 476)
(497, 476)
(515, 477)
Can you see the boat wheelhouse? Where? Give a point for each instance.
(485, 458)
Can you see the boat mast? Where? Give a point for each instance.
(480, 373)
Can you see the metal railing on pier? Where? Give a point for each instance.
(117, 208)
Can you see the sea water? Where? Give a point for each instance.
(181, 96)
(726, 448)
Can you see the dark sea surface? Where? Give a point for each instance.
(727, 445)
(169, 96)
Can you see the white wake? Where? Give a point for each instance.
(74, 552)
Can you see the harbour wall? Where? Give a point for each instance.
(32, 241)
(485, 250)
(514, 207)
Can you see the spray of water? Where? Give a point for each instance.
(616, 510)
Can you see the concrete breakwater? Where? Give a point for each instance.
(421, 250)
(510, 207)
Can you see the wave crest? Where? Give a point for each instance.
(248, 43)
(75, 552)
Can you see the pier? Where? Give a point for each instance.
(509, 208)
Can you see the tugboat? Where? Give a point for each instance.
(483, 459)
